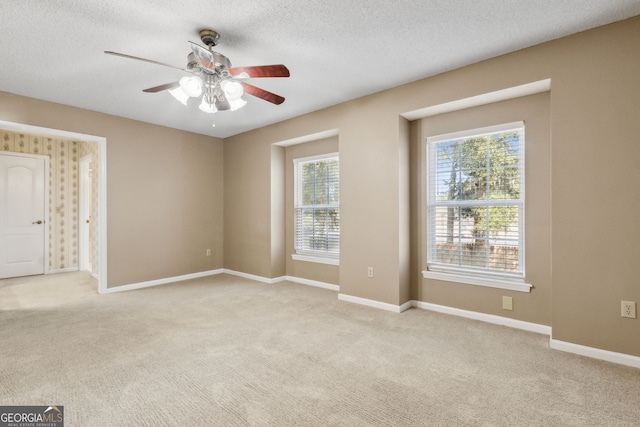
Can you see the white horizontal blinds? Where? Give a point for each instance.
(476, 200)
(317, 206)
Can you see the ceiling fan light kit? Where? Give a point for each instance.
(219, 85)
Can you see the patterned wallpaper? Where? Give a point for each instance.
(64, 185)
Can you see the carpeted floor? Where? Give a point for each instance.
(225, 351)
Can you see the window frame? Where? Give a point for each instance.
(322, 257)
(461, 274)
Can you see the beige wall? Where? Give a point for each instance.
(596, 177)
(302, 269)
(247, 209)
(278, 212)
(592, 161)
(164, 190)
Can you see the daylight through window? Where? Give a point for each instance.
(476, 201)
(317, 206)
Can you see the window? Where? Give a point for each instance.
(317, 209)
(475, 203)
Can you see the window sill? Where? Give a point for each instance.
(316, 259)
(512, 285)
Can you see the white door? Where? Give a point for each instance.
(22, 215)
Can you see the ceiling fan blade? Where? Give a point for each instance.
(263, 94)
(277, 70)
(201, 52)
(207, 65)
(108, 52)
(160, 88)
(205, 58)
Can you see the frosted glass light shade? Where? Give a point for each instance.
(192, 86)
(232, 89)
(180, 95)
(237, 104)
(207, 108)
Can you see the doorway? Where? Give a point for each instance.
(65, 149)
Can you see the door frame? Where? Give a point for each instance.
(84, 246)
(46, 228)
(102, 187)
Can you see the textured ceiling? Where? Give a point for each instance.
(336, 50)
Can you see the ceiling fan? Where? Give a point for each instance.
(220, 85)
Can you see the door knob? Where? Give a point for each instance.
(37, 222)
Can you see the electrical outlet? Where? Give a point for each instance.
(507, 303)
(628, 309)
(208, 253)
(369, 272)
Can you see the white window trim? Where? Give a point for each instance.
(317, 157)
(317, 258)
(511, 284)
(310, 256)
(514, 282)
(471, 133)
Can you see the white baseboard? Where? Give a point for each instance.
(489, 318)
(596, 353)
(375, 304)
(63, 270)
(274, 280)
(162, 281)
(314, 283)
(252, 276)
(221, 271)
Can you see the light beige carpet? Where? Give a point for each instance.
(225, 351)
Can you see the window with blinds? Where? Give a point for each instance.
(476, 201)
(317, 206)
